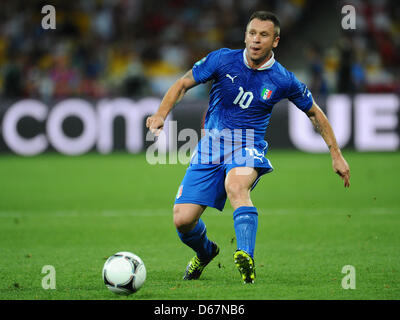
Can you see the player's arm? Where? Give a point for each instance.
(322, 125)
(174, 94)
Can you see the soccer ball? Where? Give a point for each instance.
(124, 273)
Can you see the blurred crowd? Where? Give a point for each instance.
(117, 47)
(364, 59)
(139, 47)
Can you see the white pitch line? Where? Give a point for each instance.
(168, 211)
(75, 213)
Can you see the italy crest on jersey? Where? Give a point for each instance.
(266, 93)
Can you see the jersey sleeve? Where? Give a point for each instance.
(205, 69)
(299, 94)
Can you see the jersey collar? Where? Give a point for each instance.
(265, 66)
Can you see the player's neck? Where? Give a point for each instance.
(260, 64)
(255, 64)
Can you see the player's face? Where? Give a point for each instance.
(260, 40)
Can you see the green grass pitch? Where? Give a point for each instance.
(74, 212)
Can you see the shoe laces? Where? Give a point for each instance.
(195, 264)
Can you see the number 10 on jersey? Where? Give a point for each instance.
(243, 98)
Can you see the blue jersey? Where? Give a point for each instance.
(243, 98)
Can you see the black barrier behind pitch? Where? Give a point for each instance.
(365, 122)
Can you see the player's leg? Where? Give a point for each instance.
(201, 187)
(238, 184)
(191, 229)
(192, 232)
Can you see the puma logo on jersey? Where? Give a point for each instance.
(230, 77)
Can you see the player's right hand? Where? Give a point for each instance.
(155, 124)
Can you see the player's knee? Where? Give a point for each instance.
(182, 220)
(236, 191)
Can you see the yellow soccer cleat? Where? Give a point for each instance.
(245, 264)
(196, 265)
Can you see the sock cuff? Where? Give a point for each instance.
(245, 210)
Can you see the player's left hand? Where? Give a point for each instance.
(341, 167)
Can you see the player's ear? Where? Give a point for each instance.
(276, 41)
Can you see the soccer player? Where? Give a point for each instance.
(230, 157)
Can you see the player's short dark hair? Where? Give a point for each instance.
(264, 16)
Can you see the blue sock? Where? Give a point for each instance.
(245, 221)
(197, 240)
